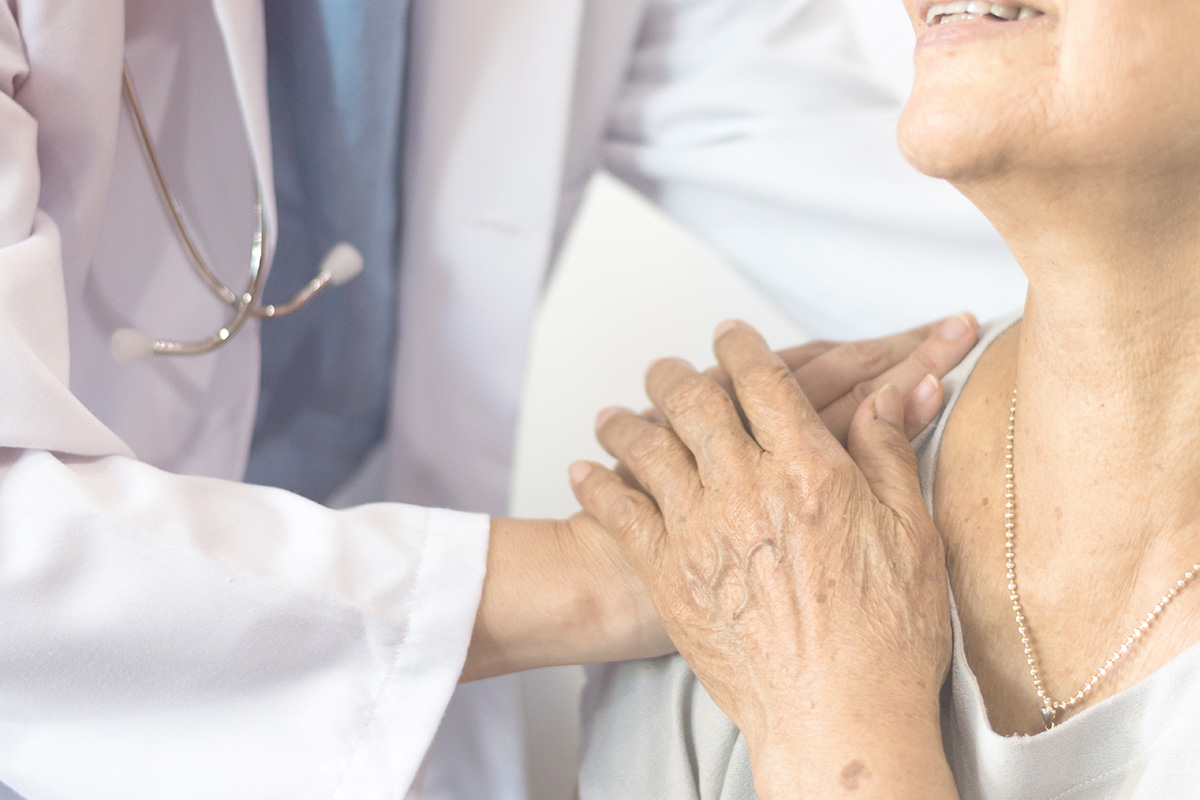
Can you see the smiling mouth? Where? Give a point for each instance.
(977, 9)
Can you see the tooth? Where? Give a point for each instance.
(1028, 12)
(959, 7)
(1004, 12)
(980, 7)
(934, 13)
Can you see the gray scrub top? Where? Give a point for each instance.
(653, 733)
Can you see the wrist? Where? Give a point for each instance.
(558, 592)
(622, 621)
(529, 607)
(876, 761)
(873, 744)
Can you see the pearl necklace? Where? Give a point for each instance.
(1051, 707)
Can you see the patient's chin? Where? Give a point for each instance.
(939, 142)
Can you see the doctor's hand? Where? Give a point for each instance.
(838, 376)
(804, 584)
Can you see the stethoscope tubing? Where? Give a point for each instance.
(340, 265)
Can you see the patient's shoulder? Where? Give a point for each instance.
(974, 433)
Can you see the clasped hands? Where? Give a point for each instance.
(788, 551)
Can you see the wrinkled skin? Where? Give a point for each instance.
(775, 558)
(564, 593)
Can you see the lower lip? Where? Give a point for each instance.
(969, 30)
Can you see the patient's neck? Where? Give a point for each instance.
(1109, 354)
(1107, 363)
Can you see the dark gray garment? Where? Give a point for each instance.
(335, 73)
(653, 732)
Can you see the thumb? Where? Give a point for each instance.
(879, 446)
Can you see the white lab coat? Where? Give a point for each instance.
(168, 636)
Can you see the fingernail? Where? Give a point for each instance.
(956, 328)
(605, 415)
(579, 471)
(725, 327)
(925, 389)
(889, 406)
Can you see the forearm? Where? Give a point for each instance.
(557, 592)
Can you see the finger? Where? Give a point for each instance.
(627, 514)
(839, 370)
(778, 413)
(652, 454)
(880, 448)
(627, 476)
(652, 415)
(936, 355)
(702, 414)
(922, 406)
(795, 358)
(722, 379)
(798, 356)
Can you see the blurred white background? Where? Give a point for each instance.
(630, 286)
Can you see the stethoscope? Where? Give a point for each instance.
(340, 264)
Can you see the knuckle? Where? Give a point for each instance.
(818, 476)
(720, 445)
(768, 379)
(694, 393)
(652, 447)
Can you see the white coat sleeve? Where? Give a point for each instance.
(175, 637)
(763, 126)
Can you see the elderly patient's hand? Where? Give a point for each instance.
(802, 583)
